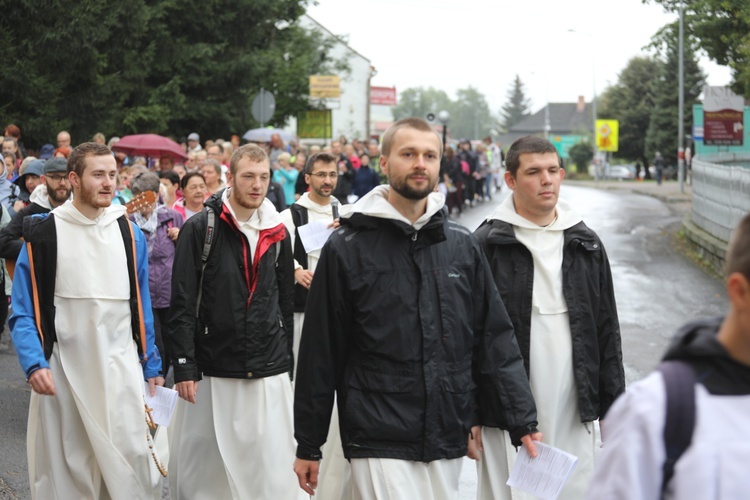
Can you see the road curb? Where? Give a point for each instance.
(710, 248)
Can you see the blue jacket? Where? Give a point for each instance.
(365, 180)
(31, 352)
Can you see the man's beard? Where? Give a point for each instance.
(411, 193)
(90, 198)
(52, 194)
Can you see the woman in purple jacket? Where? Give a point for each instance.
(161, 226)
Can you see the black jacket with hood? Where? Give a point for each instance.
(697, 345)
(245, 323)
(588, 291)
(404, 324)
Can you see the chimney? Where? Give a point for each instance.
(581, 104)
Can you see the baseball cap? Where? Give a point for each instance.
(194, 137)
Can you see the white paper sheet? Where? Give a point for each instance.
(543, 476)
(162, 403)
(315, 234)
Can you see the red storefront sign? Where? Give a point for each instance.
(385, 96)
(723, 117)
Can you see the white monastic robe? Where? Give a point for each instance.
(90, 439)
(334, 479)
(550, 365)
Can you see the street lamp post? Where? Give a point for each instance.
(444, 116)
(681, 106)
(593, 85)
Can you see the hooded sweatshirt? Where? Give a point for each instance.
(546, 246)
(376, 204)
(715, 463)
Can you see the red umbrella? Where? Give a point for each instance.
(149, 145)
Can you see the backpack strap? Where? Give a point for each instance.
(679, 381)
(207, 241)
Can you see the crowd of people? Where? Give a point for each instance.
(328, 325)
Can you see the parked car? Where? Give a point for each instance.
(620, 172)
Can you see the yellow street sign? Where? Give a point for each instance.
(325, 86)
(607, 135)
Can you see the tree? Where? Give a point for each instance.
(470, 115)
(581, 155)
(630, 101)
(517, 107)
(420, 101)
(663, 127)
(172, 66)
(722, 29)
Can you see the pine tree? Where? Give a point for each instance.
(662, 133)
(517, 107)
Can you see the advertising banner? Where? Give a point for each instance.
(385, 96)
(723, 116)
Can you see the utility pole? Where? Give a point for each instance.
(681, 104)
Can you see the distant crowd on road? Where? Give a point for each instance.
(332, 330)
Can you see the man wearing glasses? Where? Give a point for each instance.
(321, 174)
(53, 191)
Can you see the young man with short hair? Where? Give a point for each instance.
(714, 465)
(232, 320)
(403, 322)
(554, 277)
(54, 191)
(83, 331)
(321, 174)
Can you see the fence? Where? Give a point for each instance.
(721, 192)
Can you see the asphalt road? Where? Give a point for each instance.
(657, 289)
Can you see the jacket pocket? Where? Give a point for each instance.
(382, 409)
(458, 409)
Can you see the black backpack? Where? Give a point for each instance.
(679, 381)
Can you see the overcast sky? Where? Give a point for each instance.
(485, 43)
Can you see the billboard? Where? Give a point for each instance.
(325, 86)
(315, 124)
(385, 96)
(607, 135)
(723, 116)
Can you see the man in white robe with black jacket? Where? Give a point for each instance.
(403, 323)
(233, 337)
(554, 277)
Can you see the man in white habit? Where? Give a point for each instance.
(83, 330)
(402, 323)
(232, 344)
(314, 206)
(554, 277)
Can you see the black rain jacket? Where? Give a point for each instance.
(244, 327)
(403, 325)
(587, 286)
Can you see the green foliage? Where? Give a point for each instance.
(630, 101)
(663, 135)
(172, 66)
(517, 107)
(581, 155)
(722, 29)
(419, 102)
(470, 114)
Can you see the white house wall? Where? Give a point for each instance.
(350, 112)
